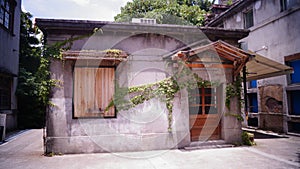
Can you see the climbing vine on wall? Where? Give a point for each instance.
(234, 90)
(126, 98)
(165, 90)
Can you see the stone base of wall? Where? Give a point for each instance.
(231, 130)
(117, 143)
(271, 121)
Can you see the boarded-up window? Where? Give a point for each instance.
(93, 91)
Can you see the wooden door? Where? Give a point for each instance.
(204, 114)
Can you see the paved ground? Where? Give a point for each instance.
(25, 151)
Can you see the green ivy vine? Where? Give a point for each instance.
(234, 90)
(165, 90)
(113, 53)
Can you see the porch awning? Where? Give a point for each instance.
(260, 67)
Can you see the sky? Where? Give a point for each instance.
(102, 10)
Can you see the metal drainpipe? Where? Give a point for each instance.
(245, 90)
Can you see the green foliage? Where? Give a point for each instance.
(34, 83)
(180, 12)
(229, 2)
(165, 90)
(31, 108)
(247, 139)
(234, 90)
(114, 53)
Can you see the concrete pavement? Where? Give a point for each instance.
(26, 152)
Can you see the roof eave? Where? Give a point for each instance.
(233, 9)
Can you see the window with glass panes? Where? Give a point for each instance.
(7, 13)
(203, 101)
(248, 19)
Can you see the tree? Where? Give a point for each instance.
(181, 12)
(31, 109)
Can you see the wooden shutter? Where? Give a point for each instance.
(105, 89)
(93, 90)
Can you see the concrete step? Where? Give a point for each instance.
(210, 144)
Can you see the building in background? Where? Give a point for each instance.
(274, 32)
(10, 11)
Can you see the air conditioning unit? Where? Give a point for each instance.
(143, 20)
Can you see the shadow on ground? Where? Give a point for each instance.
(267, 136)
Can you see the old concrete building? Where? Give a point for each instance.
(10, 11)
(274, 33)
(89, 79)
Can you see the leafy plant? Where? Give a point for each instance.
(30, 105)
(247, 138)
(34, 82)
(165, 90)
(234, 90)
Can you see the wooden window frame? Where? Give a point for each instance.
(73, 101)
(203, 104)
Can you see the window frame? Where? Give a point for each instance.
(291, 103)
(283, 5)
(288, 60)
(287, 4)
(10, 12)
(250, 102)
(202, 102)
(251, 84)
(101, 114)
(246, 20)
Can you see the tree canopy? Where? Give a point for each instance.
(181, 12)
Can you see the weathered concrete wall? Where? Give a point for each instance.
(141, 128)
(231, 126)
(271, 115)
(144, 127)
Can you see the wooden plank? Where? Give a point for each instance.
(222, 66)
(205, 131)
(105, 90)
(201, 122)
(197, 134)
(93, 90)
(292, 57)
